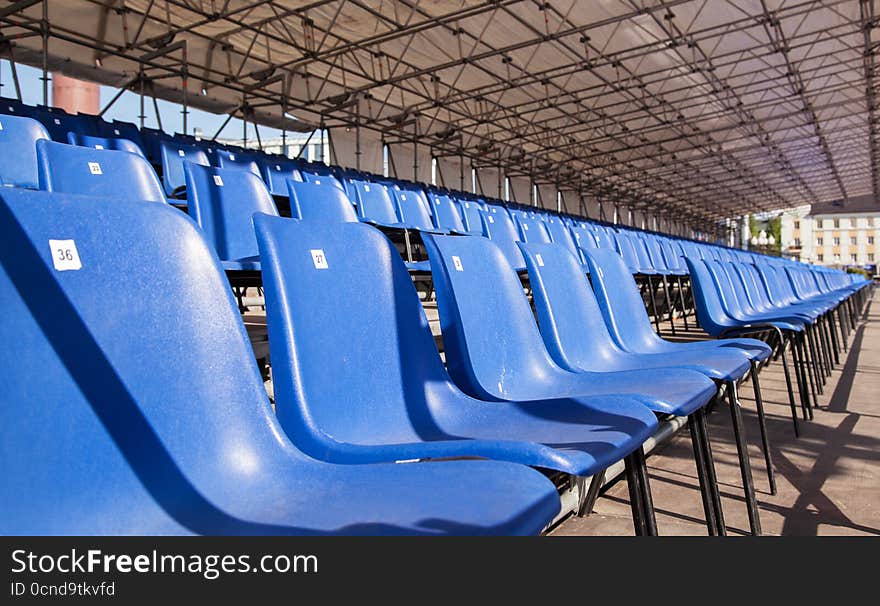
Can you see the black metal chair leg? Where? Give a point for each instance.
(791, 402)
(762, 422)
(668, 300)
(817, 362)
(702, 476)
(684, 311)
(653, 303)
(801, 373)
(808, 368)
(635, 495)
(710, 471)
(645, 487)
(832, 329)
(745, 466)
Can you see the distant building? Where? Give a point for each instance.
(837, 234)
(295, 143)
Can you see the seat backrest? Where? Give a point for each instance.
(173, 157)
(571, 322)
(560, 233)
(707, 295)
(626, 249)
(123, 130)
(276, 172)
(311, 201)
(619, 299)
(488, 327)
(223, 202)
(58, 124)
(532, 230)
(309, 175)
(374, 203)
(472, 215)
(104, 143)
(151, 416)
(18, 138)
(499, 228)
(446, 213)
(96, 172)
(346, 368)
(413, 208)
(238, 161)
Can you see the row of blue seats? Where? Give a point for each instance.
(170, 441)
(421, 209)
(65, 170)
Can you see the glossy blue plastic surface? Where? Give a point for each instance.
(358, 379)
(133, 404)
(120, 175)
(18, 138)
(627, 320)
(173, 156)
(495, 351)
(577, 337)
(314, 201)
(223, 202)
(105, 143)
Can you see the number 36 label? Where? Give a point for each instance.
(64, 255)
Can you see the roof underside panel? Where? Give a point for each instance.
(707, 107)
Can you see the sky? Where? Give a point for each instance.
(127, 107)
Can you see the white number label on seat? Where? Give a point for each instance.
(64, 255)
(95, 168)
(99, 146)
(540, 260)
(319, 259)
(457, 262)
(218, 180)
(181, 153)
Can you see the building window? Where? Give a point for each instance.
(870, 257)
(852, 240)
(835, 241)
(820, 257)
(836, 223)
(870, 239)
(797, 224)
(819, 241)
(852, 258)
(797, 242)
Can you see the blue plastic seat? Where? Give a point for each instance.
(310, 201)
(223, 202)
(123, 130)
(575, 331)
(18, 138)
(413, 209)
(165, 427)
(532, 230)
(173, 156)
(276, 172)
(96, 172)
(374, 205)
(248, 162)
(493, 347)
(359, 380)
(501, 230)
(104, 143)
(446, 214)
(473, 216)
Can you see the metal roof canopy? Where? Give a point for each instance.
(692, 109)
